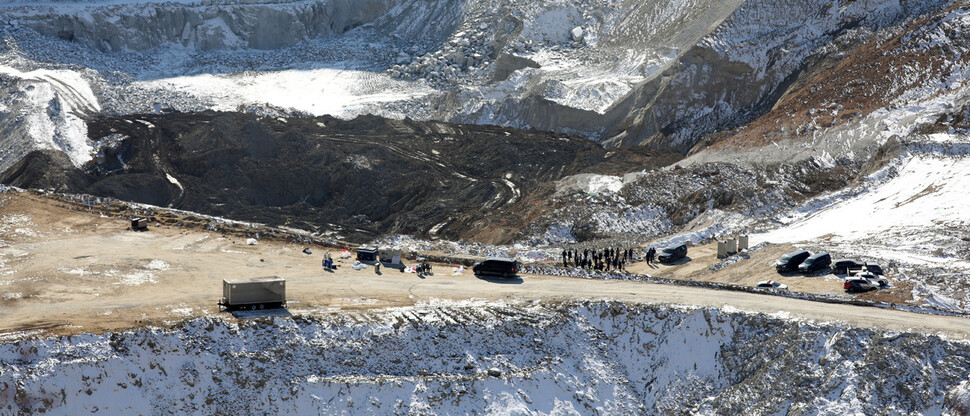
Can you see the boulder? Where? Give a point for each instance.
(577, 34)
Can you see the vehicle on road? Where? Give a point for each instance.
(842, 266)
(497, 266)
(672, 253)
(815, 262)
(771, 284)
(789, 262)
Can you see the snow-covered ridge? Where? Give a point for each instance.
(447, 358)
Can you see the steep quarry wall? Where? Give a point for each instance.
(660, 73)
(604, 358)
(657, 73)
(204, 25)
(739, 70)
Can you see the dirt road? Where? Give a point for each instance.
(66, 272)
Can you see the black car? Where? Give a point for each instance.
(672, 253)
(843, 266)
(789, 262)
(498, 266)
(815, 262)
(874, 269)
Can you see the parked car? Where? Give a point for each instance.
(672, 253)
(858, 284)
(874, 268)
(877, 279)
(789, 262)
(843, 266)
(815, 262)
(865, 267)
(498, 266)
(771, 284)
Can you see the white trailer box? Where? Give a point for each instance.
(392, 258)
(254, 293)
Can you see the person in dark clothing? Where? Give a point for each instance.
(649, 255)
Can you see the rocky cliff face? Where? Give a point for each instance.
(624, 73)
(204, 25)
(497, 358)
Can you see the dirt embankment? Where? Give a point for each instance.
(359, 178)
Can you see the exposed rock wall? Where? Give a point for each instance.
(203, 26)
(573, 359)
(737, 72)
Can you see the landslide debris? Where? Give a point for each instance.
(358, 178)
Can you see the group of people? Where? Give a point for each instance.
(327, 261)
(600, 260)
(651, 255)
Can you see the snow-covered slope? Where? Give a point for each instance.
(491, 359)
(44, 109)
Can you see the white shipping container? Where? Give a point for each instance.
(254, 293)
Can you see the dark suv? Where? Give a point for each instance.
(843, 266)
(874, 269)
(815, 262)
(497, 266)
(789, 262)
(672, 253)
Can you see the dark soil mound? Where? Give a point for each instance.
(46, 169)
(360, 178)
